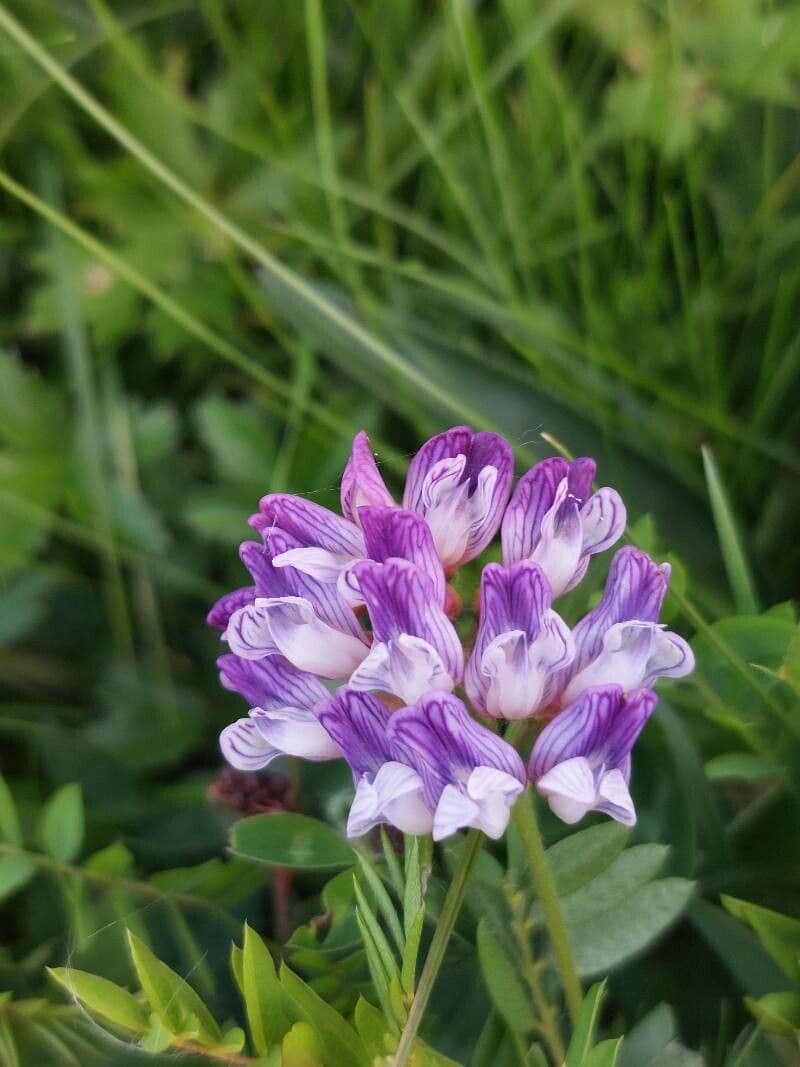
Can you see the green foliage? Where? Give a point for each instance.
(567, 217)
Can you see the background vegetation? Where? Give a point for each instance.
(297, 220)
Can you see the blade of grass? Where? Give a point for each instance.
(739, 574)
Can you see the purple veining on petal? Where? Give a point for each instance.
(358, 723)
(519, 643)
(555, 521)
(581, 760)
(309, 524)
(220, 613)
(399, 534)
(460, 481)
(362, 484)
(443, 743)
(271, 682)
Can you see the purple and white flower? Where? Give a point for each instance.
(470, 776)
(555, 520)
(581, 760)
(415, 648)
(294, 615)
(459, 482)
(282, 722)
(386, 789)
(362, 484)
(620, 640)
(520, 642)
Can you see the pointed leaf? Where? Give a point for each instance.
(263, 996)
(583, 1034)
(111, 1002)
(343, 1047)
(61, 826)
(16, 870)
(9, 820)
(779, 934)
(505, 987)
(284, 839)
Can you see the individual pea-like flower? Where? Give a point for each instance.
(581, 761)
(555, 520)
(360, 601)
(520, 642)
(620, 640)
(282, 722)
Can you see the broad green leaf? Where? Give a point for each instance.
(171, 997)
(502, 978)
(629, 872)
(301, 1047)
(585, 1026)
(372, 1029)
(61, 825)
(262, 993)
(582, 856)
(158, 1037)
(778, 1012)
(9, 820)
(16, 870)
(343, 1047)
(779, 934)
(748, 962)
(284, 839)
(611, 937)
(103, 998)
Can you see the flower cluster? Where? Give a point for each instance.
(344, 645)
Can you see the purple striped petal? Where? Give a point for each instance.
(444, 744)
(520, 642)
(635, 590)
(484, 802)
(308, 523)
(579, 730)
(459, 482)
(251, 743)
(399, 534)
(249, 634)
(553, 520)
(362, 484)
(258, 560)
(271, 682)
(221, 612)
(400, 602)
(625, 728)
(358, 724)
(245, 747)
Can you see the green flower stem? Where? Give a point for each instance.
(433, 961)
(528, 827)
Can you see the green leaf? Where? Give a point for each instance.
(605, 1054)
(343, 1046)
(778, 1012)
(779, 934)
(613, 936)
(111, 1002)
(171, 997)
(741, 767)
(748, 962)
(739, 576)
(301, 1047)
(585, 1026)
(408, 968)
(262, 993)
(790, 668)
(288, 840)
(61, 826)
(234, 433)
(383, 900)
(582, 856)
(629, 872)
(501, 976)
(15, 872)
(9, 820)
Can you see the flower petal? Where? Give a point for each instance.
(532, 499)
(362, 484)
(570, 789)
(296, 732)
(245, 747)
(395, 533)
(614, 798)
(394, 795)
(406, 666)
(603, 519)
(308, 523)
(558, 550)
(358, 723)
(308, 642)
(317, 563)
(483, 802)
(579, 730)
(627, 724)
(400, 601)
(249, 634)
(271, 682)
(220, 613)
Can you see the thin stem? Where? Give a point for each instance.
(548, 1024)
(528, 827)
(433, 961)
